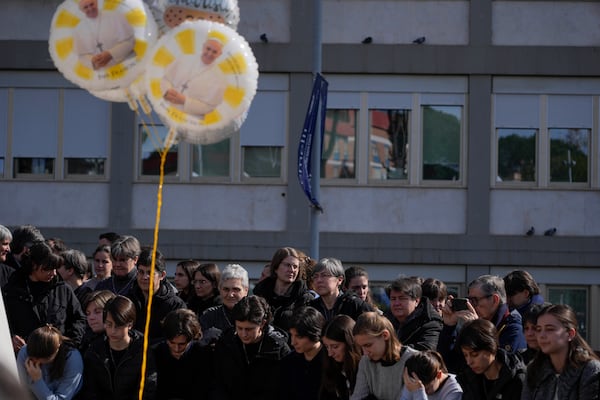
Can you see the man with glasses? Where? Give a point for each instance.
(486, 300)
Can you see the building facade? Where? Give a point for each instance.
(438, 156)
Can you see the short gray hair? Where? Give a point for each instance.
(330, 265)
(490, 284)
(234, 271)
(5, 233)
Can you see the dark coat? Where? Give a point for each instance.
(422, 328)
(347, 303)
(250, 378)
(55, 304)
(283, 306)
(199, 305)
(301, 379)
(99, 383)
(164, 301)
(508, 386)
(214, 322)
(574, 383)
(191, 377)
(5, 272)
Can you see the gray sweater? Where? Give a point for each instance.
(382, 381)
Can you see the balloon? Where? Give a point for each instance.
(101, 44)
(170, 13)
(201, 78)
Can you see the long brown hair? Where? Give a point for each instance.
(339, 329)
(372, 324)
(44, 342)
(580, 352)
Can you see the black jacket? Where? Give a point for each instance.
(300, 378)
(164, 301)
(508, 386)
(199, 305)
(422, 328)
(347, 303)
(30, 305)
(283, 306)
(243, 376)
(191, 377)
(99, 381)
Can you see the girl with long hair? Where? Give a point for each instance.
(339, 368)
(380, 369)
(565, 367)
(206, 280)
(49, 365)
(184, 280)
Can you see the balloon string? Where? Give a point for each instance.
(163, 156)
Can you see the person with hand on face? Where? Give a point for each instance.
(181, 361)
(164, 297)
(50, 366)
(417, 323)
(380, 369)
(437, 293)
(328, 277)
(565, 367)
(426, 378)
(206, 287)
(341, 364)
(233, 287)
(34, 297)
(486, 300)
(125, 252)
(492, 373)
(248, 357)
(285, 289)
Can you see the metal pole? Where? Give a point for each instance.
(316, 149)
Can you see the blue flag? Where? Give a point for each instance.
(318, 100)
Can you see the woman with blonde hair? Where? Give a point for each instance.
(380, 369)
(49, 365)
(565, 367)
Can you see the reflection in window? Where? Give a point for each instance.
(388, 157)
(339, 144)
(577, 298)
(34, 166)
(85, 166)
(262, 162)
(441, 142)
(569, 151)
(211, 160)
(516, 155)
(153, 137)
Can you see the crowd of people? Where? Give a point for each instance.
(307, 330)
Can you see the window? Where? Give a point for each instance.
(569, 155)
(516, 155)
(34, 166)
(211, 160)
(577, 298)
(339, 141)
(262, 162)
(152, 138)
(388, 155)
(441, 142)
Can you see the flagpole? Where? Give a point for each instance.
(316, 148)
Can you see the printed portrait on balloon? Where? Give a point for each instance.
(103, 38)
(195, 84)
(200, 79)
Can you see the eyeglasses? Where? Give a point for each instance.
(323, 275)
(475, 300)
